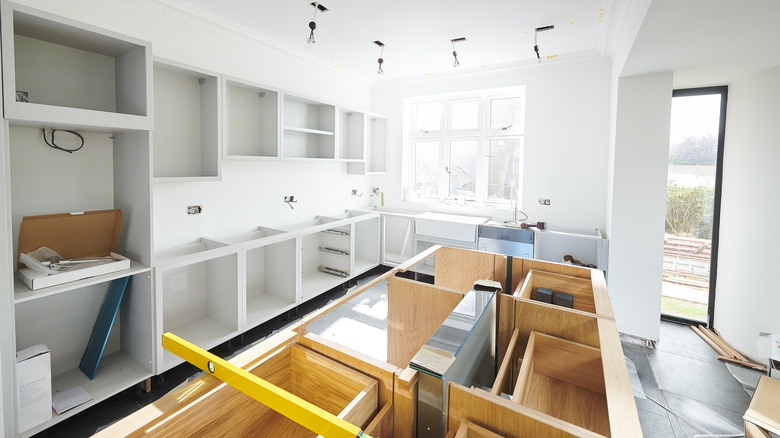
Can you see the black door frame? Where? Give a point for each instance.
(724, 92)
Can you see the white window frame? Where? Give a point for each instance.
(483, 134)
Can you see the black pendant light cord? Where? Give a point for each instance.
(52, 144)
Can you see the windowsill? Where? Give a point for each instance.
(469, 208)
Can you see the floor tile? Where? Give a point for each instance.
(694, 418)
(650, 389)
(682, 340)
(703, 381)
(655, 425)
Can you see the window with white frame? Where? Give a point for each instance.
(466, 147)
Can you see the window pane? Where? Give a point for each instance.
(464, 115)
(428, 116)
(463, 167)
(504, 168)
(426, 165)
(507, 111)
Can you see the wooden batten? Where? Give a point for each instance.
(458, 268)
(414, 312)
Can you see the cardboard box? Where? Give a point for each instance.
(33, 386)
(73, 236)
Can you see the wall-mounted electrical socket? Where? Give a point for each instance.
(354, 192)
(544, 201)
(194, 209)
(289, 198)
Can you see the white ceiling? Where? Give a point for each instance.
(417, 33)
(707, 42)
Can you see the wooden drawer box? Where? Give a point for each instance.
(311, 376)
(564, 379)
(579, 288)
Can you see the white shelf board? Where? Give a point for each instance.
(23, 293)
(251, 157)
(205, 333)
(261, 308)
(117, 371)
(315, 283)
(183, 179)
(362, 266)
(37, 115)
(307, 130)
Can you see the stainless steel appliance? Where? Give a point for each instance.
(502, 239)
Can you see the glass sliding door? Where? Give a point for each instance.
(693, 203)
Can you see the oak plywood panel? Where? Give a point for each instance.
(405, 404)
(505, 417)
(623, 416)
(414, 313)
(555, 268)
(567, 324)
(225, 411)
(564, 379)
(459, 268)
(580, 289)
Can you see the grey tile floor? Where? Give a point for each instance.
(688, 392)
(685, 391)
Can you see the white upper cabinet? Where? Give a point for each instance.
(65, 74)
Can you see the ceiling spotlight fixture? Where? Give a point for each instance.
(536, 45)
(454, 53)
(312, 24)
(380, 60)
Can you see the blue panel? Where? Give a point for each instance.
(105, 320)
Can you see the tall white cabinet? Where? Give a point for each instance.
(148, 121)
(100, 87)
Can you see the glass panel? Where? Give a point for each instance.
(463, 167)
(426, 166)
(508, 111)
(504, 168)
(428, 116)
(693, 155)
(464, 115)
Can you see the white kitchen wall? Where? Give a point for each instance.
(639, 202)
(747, 298)
(251, 193)
(566, 143)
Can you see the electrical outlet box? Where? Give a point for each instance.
(544, 201)
(290, 198)
(194, 209)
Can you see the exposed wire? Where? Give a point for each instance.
(53, 144)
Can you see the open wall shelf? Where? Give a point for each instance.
(352, 134)
(101, 79)
(251, 121)
(309, 128)
(187, 123)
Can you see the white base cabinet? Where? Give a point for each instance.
(197, 289)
